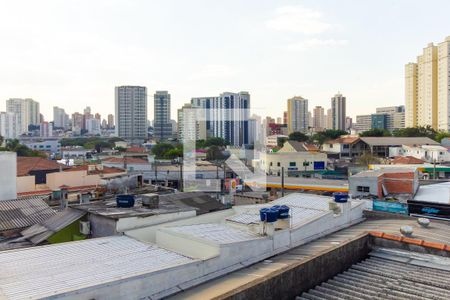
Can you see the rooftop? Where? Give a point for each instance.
(22, 213)
(406, 160)
(45, 271)
(377, 173)
(434, 193)
(127, 159)
(96, 170)
(344, 140)
(25, 165)
(398, 141)
(389, 273)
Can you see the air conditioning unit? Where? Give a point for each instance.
(85, 227)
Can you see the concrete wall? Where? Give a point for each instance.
(25, 184)
(355, 181)
(125, 224)
(304, 275)
(8, 174)
(148, 234)
(73, 178)
(285, 158)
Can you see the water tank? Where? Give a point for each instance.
(340, 197)
(268, 214)
(283, 212)
(125, 200)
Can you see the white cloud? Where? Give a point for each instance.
(316, 43)
(297, 18)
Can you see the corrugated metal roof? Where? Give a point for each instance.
(40, 232)
(394, 141)
(217, 233)
(45, 271)
(387, 277)
(21, 213)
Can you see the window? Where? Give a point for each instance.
(331, 145)
(364, 189)
(278, 164)
(271, 163)
(292, 164)
(345, 146)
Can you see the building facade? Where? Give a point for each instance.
(297, 114)
(319, 118)
(60, 118)
(162, 126)
(338, 111)
(227, 116)
(110, 121)
(9, 125)
(131, 113)
(27, 111)
(427, 92)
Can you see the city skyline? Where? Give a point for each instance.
(337, 47)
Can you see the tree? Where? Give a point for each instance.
(427, 131)
(375, 132)
(173, 153)
(216, 141)
(1, 140)
(329, 134)
(21, 150)
(161, 149)
(368, 158)
(298, 136)
(441, 135)
(281, 141)
(214, 153)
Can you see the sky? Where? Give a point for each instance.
(72, 54)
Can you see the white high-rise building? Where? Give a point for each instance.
(338, 111)
(227, 116)
(27, 111)
(9, 125)
(46, 129)
(188, 124)
(60, 118)
(298, 119)
(427, 88)
(93, 126)
(131, 113)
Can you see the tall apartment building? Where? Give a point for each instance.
(131, 113)
(427, 92)
(162, 126)
(27, 111)
(9, 125)
(188, 124)
(338, 111)
(329, 119)
(297, 114)
(77, 122)
(348, 123)
(110, 121)
(319, 118)
(46, 129)
(60, 118)
(363, 123)
(227, 116)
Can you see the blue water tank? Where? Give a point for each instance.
(125, 201)
(340, 197)
(283, 212)
(268, 214)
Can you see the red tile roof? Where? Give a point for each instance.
(344, 140)
(406, 160)
(27, 164)
(137, 149)
(130, 160)
(106, 170)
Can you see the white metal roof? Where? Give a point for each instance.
(217, 233)
(434, 193)
(50, 270)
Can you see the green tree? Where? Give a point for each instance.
(21, 150)
(216, 141)
(160, 149)
(427, 131)
(173, 153)
(214, 153)
(375, 132)
(441, 135)
(298, 136)
(281, 141)
(368, 158)
(326, 135)
(1, 140)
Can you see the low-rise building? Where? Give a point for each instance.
(382, 183)
(131, 164)
(294, 146)
(294, 163)
(427, 153)
(345, 146)
(52, 146)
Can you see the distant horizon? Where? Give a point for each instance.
(73, 55)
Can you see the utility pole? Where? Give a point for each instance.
(156, 172)
(282, 181)
(181, 175)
